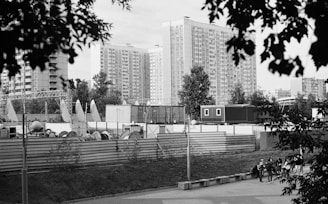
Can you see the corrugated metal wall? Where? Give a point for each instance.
(120, 151)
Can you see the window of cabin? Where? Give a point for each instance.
(218, 112)
(206, 112)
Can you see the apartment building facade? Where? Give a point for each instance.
(306, 86)
(30, 80)
(156, 75)
(281, 93)
(187, 43)
(128, 68)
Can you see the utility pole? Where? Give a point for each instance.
(24, 169)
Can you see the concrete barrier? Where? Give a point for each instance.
(187, 185)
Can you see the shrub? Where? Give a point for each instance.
(65, 155)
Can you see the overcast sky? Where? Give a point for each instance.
(141, 27)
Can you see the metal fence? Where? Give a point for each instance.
(106, 152)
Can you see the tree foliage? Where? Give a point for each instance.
(100, 84)
(37, 106)
(263, 106)
(36, 29)
(286, 19)
(195, 92)
(102, 94)
(304, 105)
(238, 95)
(115, 97)
(295, 131)
(81, 92)
(257, 98)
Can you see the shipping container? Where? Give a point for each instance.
(159, 114)
(235, 113)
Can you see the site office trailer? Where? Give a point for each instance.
(236, 113)
(160, 114)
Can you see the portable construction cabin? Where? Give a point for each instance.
(235, 113)
(156, 114)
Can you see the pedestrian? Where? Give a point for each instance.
(260, 168)
(270, 169)
(299, 164)
(287, 167)
(255, 171)
(279, 166)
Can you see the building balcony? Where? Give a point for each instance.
(28, 86)
(53, 78)
(53, 74)
(28, 80)
(28, 73)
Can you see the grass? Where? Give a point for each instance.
(59, 186)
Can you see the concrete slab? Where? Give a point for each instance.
(242, 192)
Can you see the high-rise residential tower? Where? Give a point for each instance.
(156, 75)
(306, 86)
(128, 68)
(37, 80)
(187, 43)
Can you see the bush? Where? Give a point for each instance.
(65, 155)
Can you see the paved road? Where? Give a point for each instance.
(243, 192)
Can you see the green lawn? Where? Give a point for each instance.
(55, 187)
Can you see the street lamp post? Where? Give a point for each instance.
(188, 150)
(117, 120)
(24, 168)
(188, 141)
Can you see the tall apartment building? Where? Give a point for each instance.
(306, 86)
(128, 68)
(156, 75)
(187, 43)
(281, 93)
(36, 80)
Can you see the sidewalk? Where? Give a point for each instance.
(243, 192)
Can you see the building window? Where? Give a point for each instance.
(218, 112)
(206, 112)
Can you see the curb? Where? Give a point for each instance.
(187, 185)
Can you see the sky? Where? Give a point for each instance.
(141, 27)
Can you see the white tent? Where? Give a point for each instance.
(11, 112)
(64, 112)
(94, 112)
(79, 111)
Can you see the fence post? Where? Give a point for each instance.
(234, 130)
